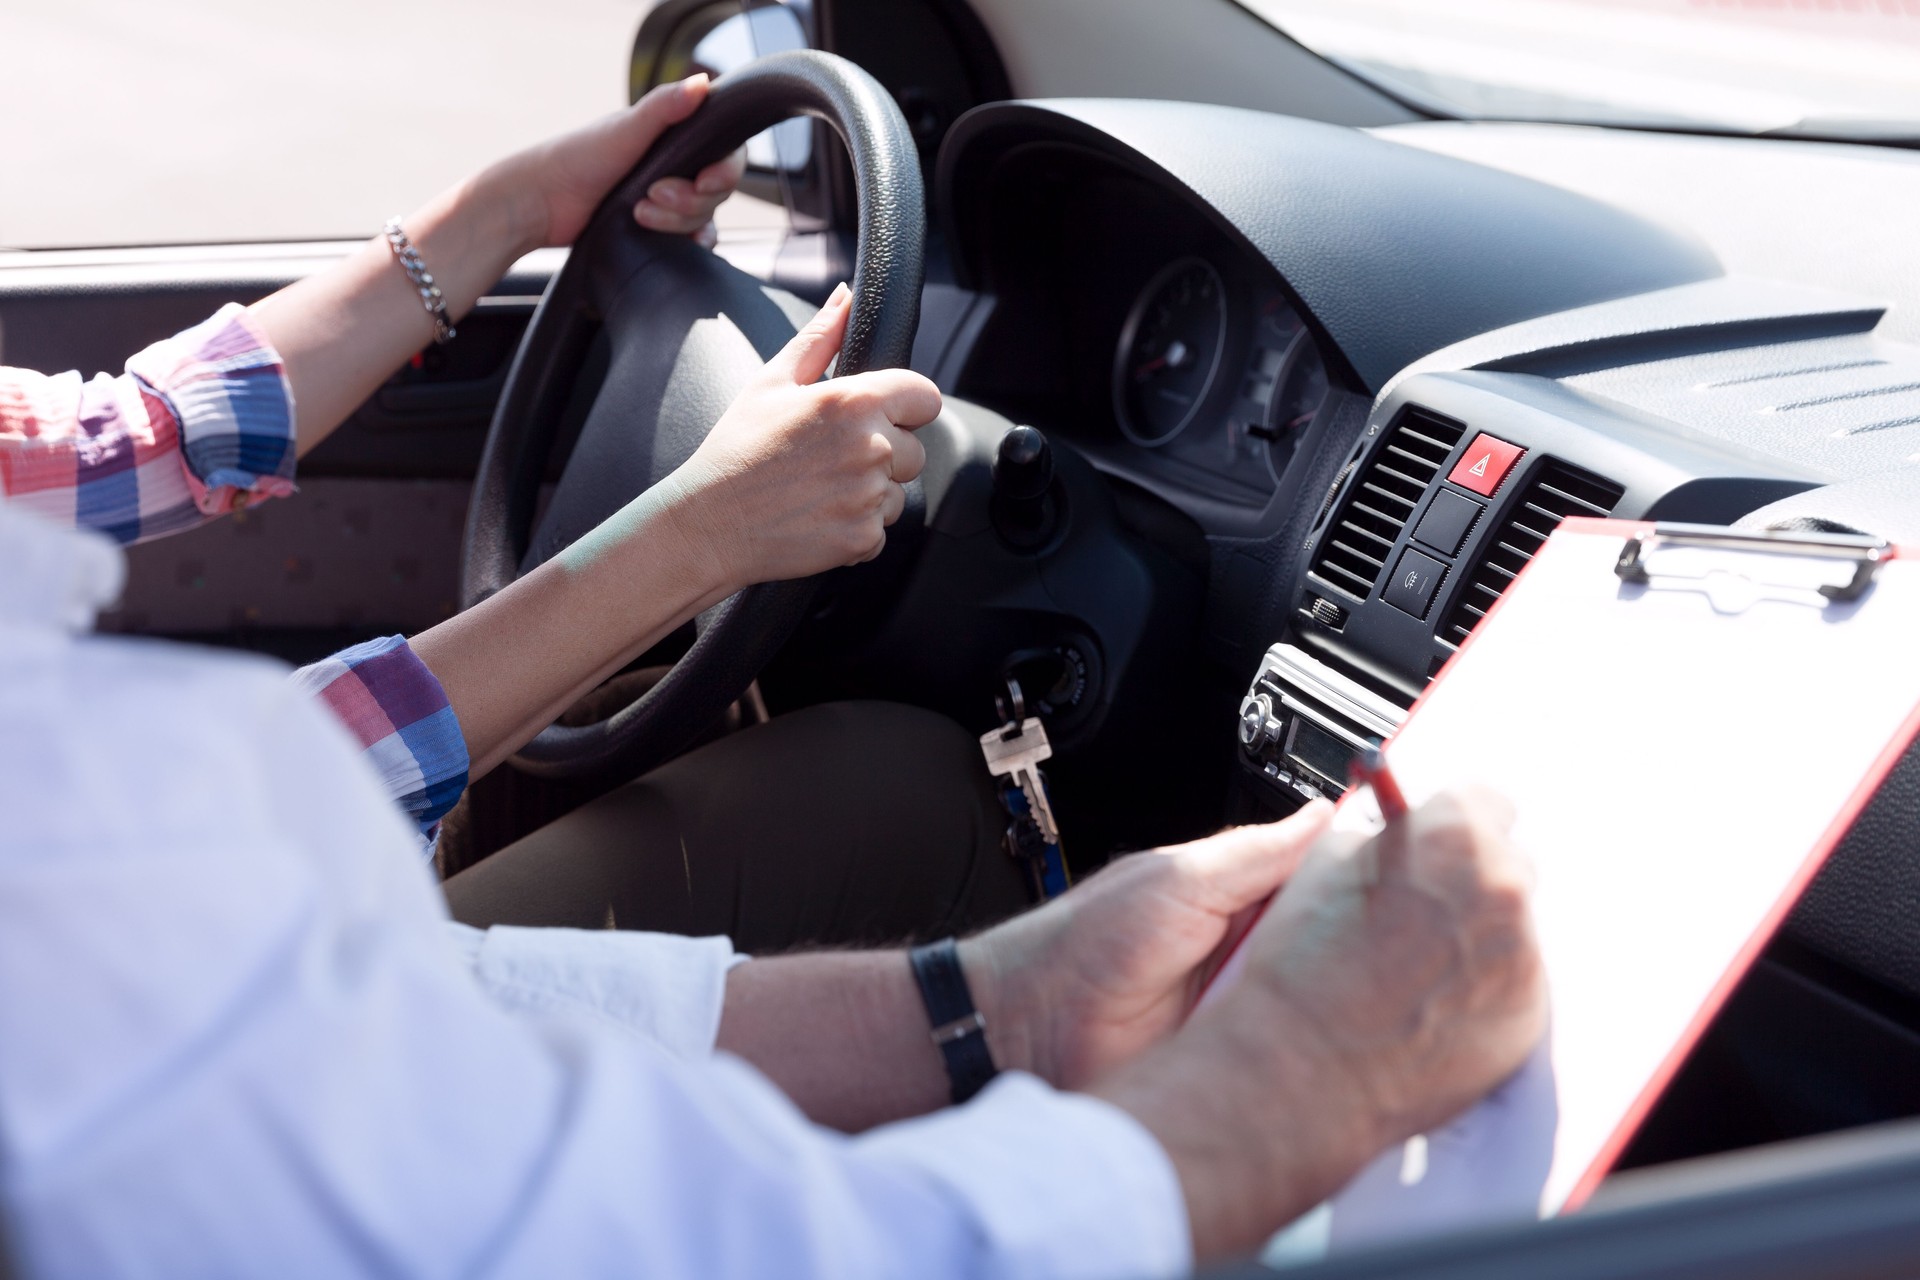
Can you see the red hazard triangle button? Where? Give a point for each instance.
(1485, 464)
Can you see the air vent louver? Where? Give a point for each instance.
(1555, 492)
(1354, 549)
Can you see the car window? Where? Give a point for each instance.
(127, 122)
(1830, 68)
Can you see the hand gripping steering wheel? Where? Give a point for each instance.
(678, 334)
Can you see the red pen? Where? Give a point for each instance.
(1370, 770)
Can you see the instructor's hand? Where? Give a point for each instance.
(1389, 988)
(1419, 980)
(1101, 973)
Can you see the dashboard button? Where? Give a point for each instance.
(1414, 581)
(1485, 464)
(1448, 518)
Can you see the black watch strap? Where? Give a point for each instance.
(959, 1029)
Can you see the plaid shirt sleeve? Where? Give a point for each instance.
(388, 699)
(199, 424)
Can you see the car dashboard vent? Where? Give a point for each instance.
(1556, 492)
(1354, 550)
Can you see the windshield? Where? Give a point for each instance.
(1838, 68)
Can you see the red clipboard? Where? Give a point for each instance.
(1687, 620)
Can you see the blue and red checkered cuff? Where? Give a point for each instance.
(226, 386)
(388, 699)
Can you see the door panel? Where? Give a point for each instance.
(341, 557)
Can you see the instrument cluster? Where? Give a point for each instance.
(1216, 374)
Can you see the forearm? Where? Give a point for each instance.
(511, 664)
(843, 1034)
(1256, 1136)
(343, 331)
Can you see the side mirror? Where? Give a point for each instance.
(681, 37)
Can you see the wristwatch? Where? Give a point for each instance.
(959, 1029)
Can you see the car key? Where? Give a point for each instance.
(1015, 752)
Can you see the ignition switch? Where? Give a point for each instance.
(1057, 680)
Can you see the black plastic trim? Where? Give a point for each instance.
(1394, 251)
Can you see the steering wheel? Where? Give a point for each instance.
(679, 333)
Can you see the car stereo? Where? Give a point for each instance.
(1302, 723)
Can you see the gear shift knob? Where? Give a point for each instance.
(1023, 508)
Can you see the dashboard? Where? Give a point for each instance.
(1373, 378)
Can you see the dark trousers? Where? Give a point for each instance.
(847, 824)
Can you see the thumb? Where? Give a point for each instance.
(662, 107)
(808, 353)
(1241, 866)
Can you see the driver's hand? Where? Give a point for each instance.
(557, 184)
(800, 476)
(1101, 973)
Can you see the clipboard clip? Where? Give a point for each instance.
(1866, 554)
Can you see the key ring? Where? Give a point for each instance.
(1012, 693)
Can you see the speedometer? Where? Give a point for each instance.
(1169, 355)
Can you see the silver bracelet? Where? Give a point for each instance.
(422, 279)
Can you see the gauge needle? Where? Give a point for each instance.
(1177, 353)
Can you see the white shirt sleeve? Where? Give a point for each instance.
(1096, 1163)
(664, 987)
(235, 1040)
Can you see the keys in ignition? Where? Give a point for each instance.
(1015, 752)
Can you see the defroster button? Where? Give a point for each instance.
(1413, 583)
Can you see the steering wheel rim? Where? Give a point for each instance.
(736, 637)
